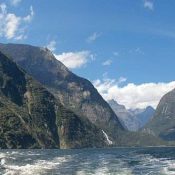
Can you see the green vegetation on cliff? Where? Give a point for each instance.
(31, 117)
(68, 113)
(75, 93)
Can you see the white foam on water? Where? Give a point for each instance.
(37, 168)
(105, 167)
(163, 165)
(104, 171)
(3, 155)
(3, 161)
(169, 169)
(102, 164)
(15, 152)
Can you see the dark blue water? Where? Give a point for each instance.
(114, 161)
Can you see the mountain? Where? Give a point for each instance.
(31, 117)
(67, 112)
(132, 120)
(144, 116)
(163, 122)
(136, 111)
(75, 93)
(128, 120)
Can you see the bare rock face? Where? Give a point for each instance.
(75, 93)
(31, 117)
(134, 119)
(127, 119)
(163, 122)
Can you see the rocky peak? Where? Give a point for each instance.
(74, 92)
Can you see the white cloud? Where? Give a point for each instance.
(149, 4)
(12, 26)
(116, 54)
(52, 45)
(132, 95)
(121, 80)
(107, 63)
(137, 50)
(75, 59)
(71, 60)
(93, 37)
(15, 2)
(29, 17)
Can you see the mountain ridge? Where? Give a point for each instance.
(83, 117)
(132, 119)
(163, 122)
(78, 94)
(31, 117)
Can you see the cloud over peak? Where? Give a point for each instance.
(52, 45)
(71, 60)
(133, 95)
(75, 59)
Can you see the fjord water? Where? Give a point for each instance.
(115, 161)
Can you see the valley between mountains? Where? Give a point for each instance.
(44, 105)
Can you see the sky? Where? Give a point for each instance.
(126, 48)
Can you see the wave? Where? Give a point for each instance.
(104, 162)
(39, 167)
(36, 168)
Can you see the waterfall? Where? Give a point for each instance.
(107, 138)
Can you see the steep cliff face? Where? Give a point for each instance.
(128, 120)
(75, 93)
(163, 122)
(31, 117)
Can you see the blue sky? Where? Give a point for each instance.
(113, 43)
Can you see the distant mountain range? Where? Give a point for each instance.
(132, 119)
(45, 105)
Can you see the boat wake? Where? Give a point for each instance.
(81, 162)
